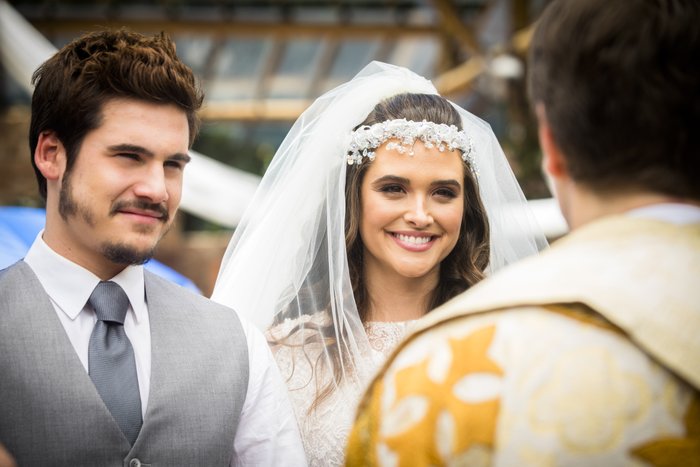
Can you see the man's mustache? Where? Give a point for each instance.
(157, 208)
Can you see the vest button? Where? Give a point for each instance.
(135, 463)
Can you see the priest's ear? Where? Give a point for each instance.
(553, 161)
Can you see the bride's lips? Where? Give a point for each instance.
(414, 241)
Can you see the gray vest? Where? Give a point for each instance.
(51, 414)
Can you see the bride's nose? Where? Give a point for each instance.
(418, 214)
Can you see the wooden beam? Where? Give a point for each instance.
(269, 67)
(522, 38)
(255, 110)
(328, 54)
(451, 23)
(234, 28)
(461, 77)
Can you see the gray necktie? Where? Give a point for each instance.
(111, 362)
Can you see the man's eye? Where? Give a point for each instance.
(129, 155)
(174, 165)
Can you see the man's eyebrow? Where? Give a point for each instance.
(178, 156)
(131, 148)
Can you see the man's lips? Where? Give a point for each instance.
(142, 213)
(142, 209)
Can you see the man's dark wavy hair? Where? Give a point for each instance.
(72, 87)
(619, 80)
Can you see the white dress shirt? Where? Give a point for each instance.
(267, 432)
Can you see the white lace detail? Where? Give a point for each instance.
(325, 429)
(385, 336)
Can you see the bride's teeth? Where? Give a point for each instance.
(413, 239)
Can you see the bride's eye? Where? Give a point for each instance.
(391, 188)
(445, 193)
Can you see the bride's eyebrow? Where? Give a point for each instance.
(391, 179)
(448, 182)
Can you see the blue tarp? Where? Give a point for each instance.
(19, 227)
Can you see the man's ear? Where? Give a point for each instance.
(50, 156)
(553, 161)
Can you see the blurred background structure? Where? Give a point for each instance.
(261, 63)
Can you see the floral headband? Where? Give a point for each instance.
(367, 138)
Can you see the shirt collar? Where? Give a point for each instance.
(69, 285)
(675, 213)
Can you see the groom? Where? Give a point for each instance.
(101, 362)
(590, 353)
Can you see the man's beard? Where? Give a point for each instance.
(124, 254)
(118, 253)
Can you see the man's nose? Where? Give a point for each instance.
(152, 185)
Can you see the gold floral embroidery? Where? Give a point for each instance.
(588, 400)
(421, 425)
(685, 451)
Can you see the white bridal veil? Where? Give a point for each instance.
(287, 261)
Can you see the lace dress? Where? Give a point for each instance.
(325, 428)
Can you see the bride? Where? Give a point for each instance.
(384, 201)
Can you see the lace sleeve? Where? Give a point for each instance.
(326, 426)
